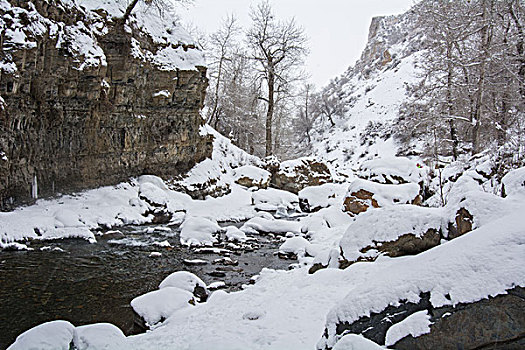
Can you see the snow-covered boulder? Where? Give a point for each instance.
(54, 335)
(393, 231)
(186, 281)
(252, 176)
(272, 199)
(356, 342)
(294, 175)
(197, 231)
(363, 194)
(313, 198)
(158, 305)
(234, 234)
(99, 336)
(295, 246)
(513, 182)
(391, 170)
(270, 225)
(461, 283)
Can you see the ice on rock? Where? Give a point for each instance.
(197, 231)
(54, 335)
(99, 336)
(158, 305)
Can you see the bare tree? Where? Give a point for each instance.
(162, 5)
(223, 48)
(279, 48)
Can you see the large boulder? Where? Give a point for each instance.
(363, 194)
(392, 231)
(156, 306)
(251, 176)
(294, 175)
(186, 281)
(272, 199)
(493, 323)
(466, 291)
(314, 198)
(391, 170)
(513, 182)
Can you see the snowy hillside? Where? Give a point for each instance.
(370, 94)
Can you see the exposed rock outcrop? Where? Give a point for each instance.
(493, 323)
(294, 175)
(86, 107)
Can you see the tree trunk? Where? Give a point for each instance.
(476, 118)
(450, 105)
(269, 113)
(129, 9)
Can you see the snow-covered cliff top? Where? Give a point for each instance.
(77, 25)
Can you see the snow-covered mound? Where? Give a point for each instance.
(391, 170)
(272, 199)
(54, 335)
(158, 305)
(214, 176)
(198, 231)
(313, 198)
(385, 195)
(387, 225)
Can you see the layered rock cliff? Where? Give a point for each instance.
(87, 100)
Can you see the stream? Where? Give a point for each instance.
(85, 283)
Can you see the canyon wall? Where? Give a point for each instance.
(83, 107)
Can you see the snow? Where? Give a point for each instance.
(356, 342)
(389, 169)
(296, 245)
(386, 195)
(514, 181)
(257, 175)
(323, 196)
(183, 280)
(467, 269)
(234, 234)
(271, 199)
(99, 336)
(54, 335)
(415, 325)
(198, 231)
(162, 93)
(275, 226)
(158, 305)
(174, 48)
(386, 225)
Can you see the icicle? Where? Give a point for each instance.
(34, 188)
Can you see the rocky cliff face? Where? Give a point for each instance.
(90, 101)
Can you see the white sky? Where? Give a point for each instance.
(337, 29)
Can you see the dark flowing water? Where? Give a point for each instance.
(89, 283)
